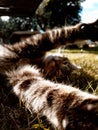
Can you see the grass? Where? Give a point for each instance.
(88, 76)
(13, 115)
(88, 61)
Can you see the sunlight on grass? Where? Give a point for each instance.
(87, 61)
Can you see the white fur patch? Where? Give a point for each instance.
(4, 51)
(64, 123)
(89, 107)
(51, 115)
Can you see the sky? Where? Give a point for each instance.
(90, 11)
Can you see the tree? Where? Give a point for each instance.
(21, 23)
(59, 12)
(14, 24)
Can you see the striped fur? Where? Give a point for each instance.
(33, 49)
(49, 64)
(66, 107)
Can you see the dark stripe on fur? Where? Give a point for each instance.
(26, 84)
(51, 97)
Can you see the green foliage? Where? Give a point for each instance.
(60, 12)
(14, 24)
(3, 29)
(21, 23)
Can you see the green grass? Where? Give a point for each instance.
(16, 117)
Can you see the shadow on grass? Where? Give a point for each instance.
(83, 80)
(78, 78)
(88, 50)
(92, 49)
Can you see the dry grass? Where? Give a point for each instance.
(13, 115)
(88, 76)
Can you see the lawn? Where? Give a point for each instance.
(86, 78)
(88, 60)
(14, 116)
